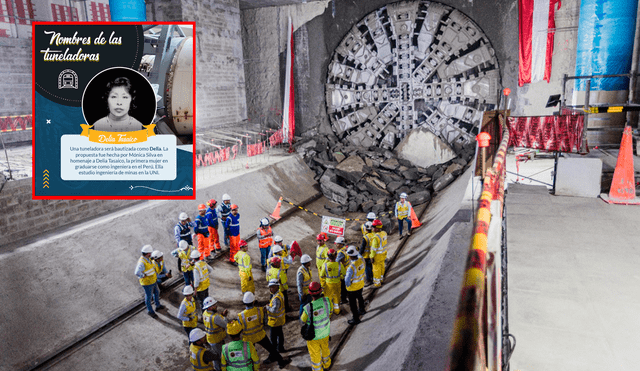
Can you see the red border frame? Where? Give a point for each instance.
(33, 101)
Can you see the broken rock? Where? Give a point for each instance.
(442, 182)
(453, 167)
(351, 169)
(390, 164)
(335, 192)
(419, 198)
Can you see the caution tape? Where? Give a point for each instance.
(611, 109)
(319, 215)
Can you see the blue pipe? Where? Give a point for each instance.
(605, 42)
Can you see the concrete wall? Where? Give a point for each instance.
(15, 76)
(220, 86)
(23, 218)
(316, 39)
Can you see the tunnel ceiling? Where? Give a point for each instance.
(252, 4)
(407, 65)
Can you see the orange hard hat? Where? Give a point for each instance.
(202, 207)
(234, 206)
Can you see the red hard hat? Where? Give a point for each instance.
(275, 260)
(331, 252)
(242, 243)
(320, 237)
(234, 206)
(315, 288)
(202, 207)
(377, 223)
(212, 202)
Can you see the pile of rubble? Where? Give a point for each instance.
(372, 179)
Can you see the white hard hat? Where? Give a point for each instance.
(226, 197)
(147, 249)
(371, 216)
(352, 251)
(277, 249)
(156, 254)
(248, 297)
(188, 290)
(195, 254)
(183, 245)
(277, 239)
(305, 259)
(274, 282)
(368, 225)
(339, 239)
(264, 222)
(183, 216)
(195, 335)
(403, 195)
(209, 302)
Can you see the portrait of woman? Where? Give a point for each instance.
(120, 99)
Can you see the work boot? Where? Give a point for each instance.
(160, 307)
(152, 314)
(282, 364)
(353, 321)
(268, 361)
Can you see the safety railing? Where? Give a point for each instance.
(476, 343)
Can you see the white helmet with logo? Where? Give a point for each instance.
(305, 259)
(183, 216)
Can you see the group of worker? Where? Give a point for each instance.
(343, 273)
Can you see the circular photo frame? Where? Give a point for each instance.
(119, 99)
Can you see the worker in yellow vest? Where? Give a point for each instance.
(403, 213)
(342, 258)
(320, 309)
(332, 272)
(265, 240)
(379, 254)
(370, 218)
(303, 279)
(200, 357)
(369, 241)
(276, 315)
(355, 283)
(252, 320)
(157, 257)
(187, 311)
(146, 273)
(244, 266)
(321, 251)
(239, 355)
(285, 262)
(201, 279)
(182, 253)
(215, 326)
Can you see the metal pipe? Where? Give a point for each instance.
(597, 76)
(564, 92)
(587, 94)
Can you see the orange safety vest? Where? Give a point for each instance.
(265, 239)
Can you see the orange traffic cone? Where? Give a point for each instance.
(415, 223)
(623, 190)
(276, 212)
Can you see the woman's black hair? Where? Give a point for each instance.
(125, 83)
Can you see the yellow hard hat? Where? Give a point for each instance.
(234, 327)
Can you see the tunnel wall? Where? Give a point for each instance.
(316, 40)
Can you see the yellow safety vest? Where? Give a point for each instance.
(306, 275)
(203, 269)
(285, 254)
(184, 259)
(277, 274)
(215, 333)
(372, 242)
(149, 272)
(278, 318)
(159, 266)
(321, 255)
(382, 238)
(345, 259)
(403, 210)
(244, 262)
(252, 322)
(332, 271)
(197, 359)
(357, 278)
(190, 312)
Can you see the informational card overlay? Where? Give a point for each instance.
(113, 110)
